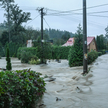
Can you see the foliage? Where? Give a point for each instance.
(103, 51)
(4, 38)
(45, 52)
(13, 47)
(106, 29)
(8, 66)
(76, 52)
(2, 53)
(92, 56)
(21, 50)
(66, 36)
(59, 37)
(50, 52)
(33, 61)
(20, 88)
(99, 53)
(26, 57)
(17, 18)
(100, 41)
(0, 56)
(60, 52)
(32, 34)
(53, 33)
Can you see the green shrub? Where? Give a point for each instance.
(31, 50)
(60, 52)
(0, 57)
(8, 66)
(76, 52)
(103, 51)
(99, 53)
(75, 58)
(49, 52)
(26, 57)
(20, 88)
(92, 56)
(33, 61)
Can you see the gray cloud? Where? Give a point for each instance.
(95, 25)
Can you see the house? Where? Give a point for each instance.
(29, 43)
(91, 43)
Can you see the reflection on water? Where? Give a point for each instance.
(69, 89)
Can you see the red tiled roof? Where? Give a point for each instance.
(89, 40)
(70, 41)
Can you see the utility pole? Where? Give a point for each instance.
(85, 67)
(42, 59)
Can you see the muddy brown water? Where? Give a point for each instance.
(70, 89)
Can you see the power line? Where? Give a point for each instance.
(46, 23)
(98, 12)
(32, 19)
(98, 16)
(74, 10)
(98, 6)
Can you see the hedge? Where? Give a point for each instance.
(60, 52)
(20, 88)
(13, 47)
(99, 53)
(51, 53)
(92, 56)
(31, 50)
(103, 51)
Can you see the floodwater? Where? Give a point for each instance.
(70, 89)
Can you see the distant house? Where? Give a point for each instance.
(29, 43)
(91, 43)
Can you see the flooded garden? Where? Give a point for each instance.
(66, 87)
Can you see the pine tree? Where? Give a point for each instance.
(8, 66)
(76, 52)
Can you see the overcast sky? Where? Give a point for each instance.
(95, 25)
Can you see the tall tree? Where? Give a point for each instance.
(101, 42)
(76, 52)
(66, 36)
(15, 17)
(106, 37)
(4, 38)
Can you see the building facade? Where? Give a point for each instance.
(91, 43)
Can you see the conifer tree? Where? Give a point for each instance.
(8, 66)
(76, 52)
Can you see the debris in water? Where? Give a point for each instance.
(78, 90)
(57, 99)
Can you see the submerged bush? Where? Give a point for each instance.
(8, 66)
(92, 56)
(26, 57)
(20, 88)
(31, 50)
(34, 60)
(103, 51)
(99, 53)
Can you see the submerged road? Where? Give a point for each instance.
(70, 89)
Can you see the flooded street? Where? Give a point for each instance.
(69, 89)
